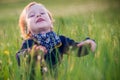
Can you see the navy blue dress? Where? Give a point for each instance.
(55, 55)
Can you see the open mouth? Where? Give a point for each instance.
(40, 20)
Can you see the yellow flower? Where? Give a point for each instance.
(6, 52)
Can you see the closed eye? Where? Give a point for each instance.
(42, 13)
(31, 15)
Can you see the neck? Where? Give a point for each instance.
(42, 31)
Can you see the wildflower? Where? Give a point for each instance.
(45, 69)
(6, 52)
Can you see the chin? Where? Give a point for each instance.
(44, 27)
(43, 24)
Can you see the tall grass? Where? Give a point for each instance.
(103, 26)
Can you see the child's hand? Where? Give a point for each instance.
(37, 48)
(89, 42)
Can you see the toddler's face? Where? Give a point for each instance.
(37, 19)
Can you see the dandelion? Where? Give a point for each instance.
(6, 52)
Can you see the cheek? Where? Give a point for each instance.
(49, 21)
(47, 18)
(30, 23)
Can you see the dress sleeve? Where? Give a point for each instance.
(85, 49)
(66, 43)
(27, 44)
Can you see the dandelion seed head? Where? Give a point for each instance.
(38, 57)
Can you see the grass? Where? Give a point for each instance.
(101, 23)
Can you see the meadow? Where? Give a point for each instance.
(77, 19)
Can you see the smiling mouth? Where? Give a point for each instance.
(40, 20)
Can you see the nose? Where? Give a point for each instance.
(38, 15)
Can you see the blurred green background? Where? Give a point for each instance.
(77, 19)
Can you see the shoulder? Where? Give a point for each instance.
(28, 43)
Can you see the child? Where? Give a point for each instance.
(36, 24)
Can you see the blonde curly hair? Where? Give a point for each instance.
(22, 22)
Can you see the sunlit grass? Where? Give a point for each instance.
(103, 26)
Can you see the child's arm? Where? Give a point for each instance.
(88, 42)
(86, 46)
(67, 42)
(27, 44)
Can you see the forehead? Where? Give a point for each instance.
(36, 7)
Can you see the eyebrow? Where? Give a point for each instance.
(30, 12)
